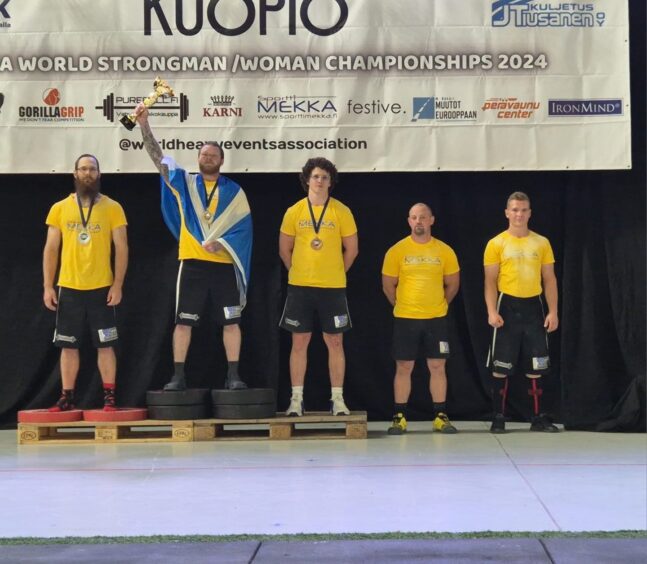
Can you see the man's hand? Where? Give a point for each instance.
(212, 247)
(495, 320)
(49, 298)
(551, 323)
(114, 295)
(141, 113)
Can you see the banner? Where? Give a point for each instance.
(373, 85)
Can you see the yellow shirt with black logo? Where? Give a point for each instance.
(420, 268)
(323, 268)
(189, 247)
(86, 266)
(520, 260)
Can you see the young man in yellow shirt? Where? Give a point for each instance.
(420, 278)
(317, 244)
(518, 262)
(82, 228)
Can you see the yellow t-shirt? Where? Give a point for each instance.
(189, 247)
(323, 268)
(420, 268)
(520, 260)
(86, 266)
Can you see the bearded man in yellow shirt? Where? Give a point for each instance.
(420, 278)
(317, 244)
(518, 262)
(82, 228)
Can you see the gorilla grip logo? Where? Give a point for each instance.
(51, 96)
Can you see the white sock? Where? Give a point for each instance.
(297, 392)
(336, 392)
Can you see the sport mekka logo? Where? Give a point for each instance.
(222, 106)
(535, 13)
(566, 108)
(441, 108)
(296, 107)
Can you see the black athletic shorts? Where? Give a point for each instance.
(303, 302)
(199, 281)
(523, 333)
(78, 308)
(413, 337)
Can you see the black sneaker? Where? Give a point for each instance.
(498, 424)
(542, 424)
(234, 382)
(177, 384)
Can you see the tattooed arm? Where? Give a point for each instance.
(151, 144)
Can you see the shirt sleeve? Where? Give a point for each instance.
(547, 256)
(347, 222)
(391, 265)
(492, 254)
(117, 216)
(54, 216)
(451, 262)
(288, 223)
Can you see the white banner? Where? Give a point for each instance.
(374, 85)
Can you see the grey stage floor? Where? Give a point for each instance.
(420, 482)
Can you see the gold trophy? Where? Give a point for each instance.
(161, 89)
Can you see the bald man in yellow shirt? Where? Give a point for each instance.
(420, 277)
(518, 263)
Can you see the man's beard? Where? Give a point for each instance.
(87, 189)
(420, 230)
(209, 169)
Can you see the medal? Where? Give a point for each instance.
(317, 244)
(84, 237)
(207, 215)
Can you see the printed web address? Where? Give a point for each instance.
(341, 143)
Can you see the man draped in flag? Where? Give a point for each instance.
(209, 215)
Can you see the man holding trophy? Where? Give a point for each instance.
(208, 213)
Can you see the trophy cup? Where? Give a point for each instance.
(161, 89)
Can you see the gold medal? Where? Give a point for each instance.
(316, 244)
(207, 215)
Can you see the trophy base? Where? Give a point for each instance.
(128, 123)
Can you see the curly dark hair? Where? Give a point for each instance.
(323, 164)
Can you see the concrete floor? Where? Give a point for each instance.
(419, 482)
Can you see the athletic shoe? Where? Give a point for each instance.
(177, 384)
(498, 424)
(542, 424)
(64, 403)
(398, 425)
(109, 400)
(442, 424)
(235, 383)
(338, 406)
(296, 407)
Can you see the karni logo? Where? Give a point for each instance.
(51, 109)
(248, 11)
(442, 108)
(567, 108)
(424, 108)
(4, 14)
(538, 13)
(293, 107)
(510, 108)
(167, 106)
(223, 105)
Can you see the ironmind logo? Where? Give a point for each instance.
(182, 12)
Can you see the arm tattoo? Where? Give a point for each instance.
(154, 150)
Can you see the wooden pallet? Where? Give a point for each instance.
(313, 425)
(146, 431)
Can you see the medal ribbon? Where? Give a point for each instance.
(210, 195)
(317, 224)
(85, 220)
